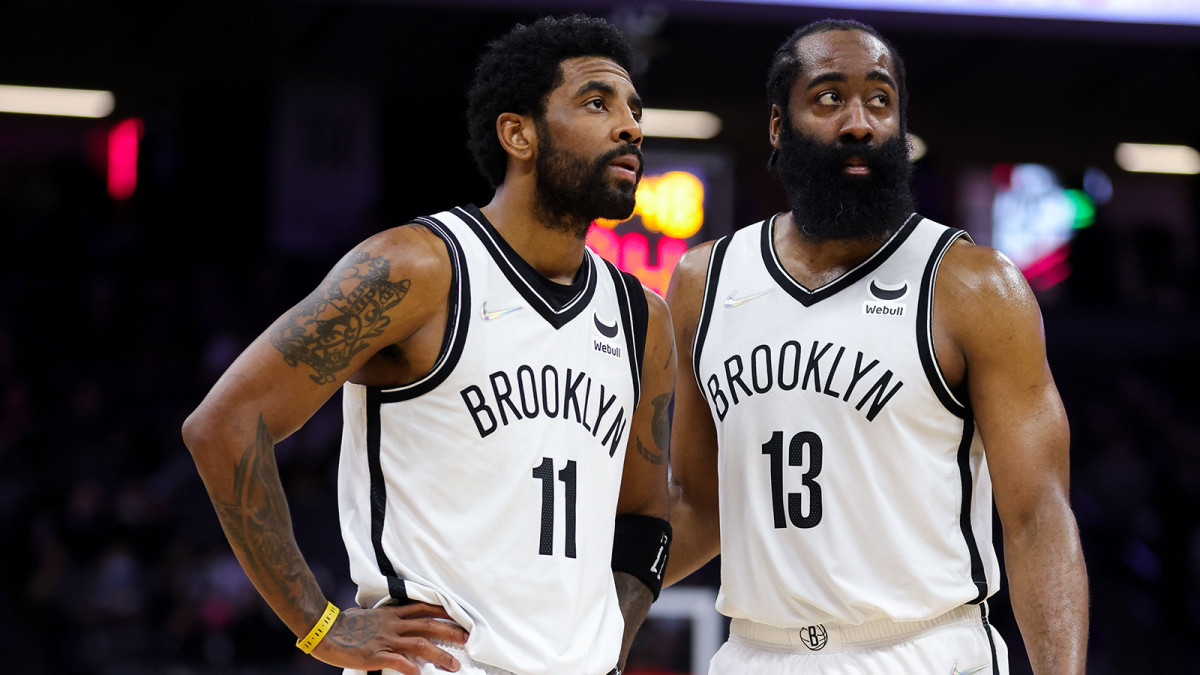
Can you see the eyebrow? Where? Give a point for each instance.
(874, 75)
(606, 88)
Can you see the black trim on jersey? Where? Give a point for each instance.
(983, 613)
(991, 641)
(379, 495)
(458, 313)
(925, 348)
(978, 575)
(715, 259)
(808, 297)
(635, 314)
(557, 303)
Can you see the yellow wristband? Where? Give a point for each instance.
(309, 642)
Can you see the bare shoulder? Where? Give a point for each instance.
(657, 306)
(411, 249)
(693, 265)
(687, 281)
(974, 271)
(982, 299)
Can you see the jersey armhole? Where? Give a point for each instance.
(925, 346)
(457, 315)
(711, 279)
(635, 314)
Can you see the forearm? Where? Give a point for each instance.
(252, 509)
(697, 540)
(635, 599)
(1049, 592)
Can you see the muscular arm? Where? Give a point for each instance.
(378, 295)
(694, 508)
(987, 317)
(644, 476)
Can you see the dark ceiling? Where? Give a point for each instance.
(982, 90)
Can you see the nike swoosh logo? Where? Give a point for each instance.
(888, 293)
(492, 316)
(976, 669)
(606, 331)
(734, 302)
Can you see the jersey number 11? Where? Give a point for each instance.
(545, 473)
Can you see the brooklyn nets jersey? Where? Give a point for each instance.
(853, 485)
(490, 485)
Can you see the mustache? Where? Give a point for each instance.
(626, 149)
(874, 156)
(834, 155)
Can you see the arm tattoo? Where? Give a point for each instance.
(651, 456)
(335, 322)
(660, 429)
(660, 425)
(259, 527)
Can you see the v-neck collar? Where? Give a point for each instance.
(809, 297)
(556, 303)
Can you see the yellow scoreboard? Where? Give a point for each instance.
(684, 198)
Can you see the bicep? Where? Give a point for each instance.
(693, 434)
(288, 372)
(644, 477)
(1013, 397)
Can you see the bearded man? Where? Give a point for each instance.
(856, 383)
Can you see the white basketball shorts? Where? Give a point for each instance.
(960, 642)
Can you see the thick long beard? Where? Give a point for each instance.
(829, 204)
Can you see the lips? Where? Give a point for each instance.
(629, 163)
(857, 166)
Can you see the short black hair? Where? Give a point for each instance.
(786, 66)
(518, 71)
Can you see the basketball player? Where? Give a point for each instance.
(493, 372)
(856, 380)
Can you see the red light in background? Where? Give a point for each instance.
(631, 253)
(1049, 270)
(123, 141)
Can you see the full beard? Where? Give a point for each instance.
(829, 204)
(572, 191)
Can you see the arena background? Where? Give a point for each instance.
(272, 135)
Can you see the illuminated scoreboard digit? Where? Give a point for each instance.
(682, 200)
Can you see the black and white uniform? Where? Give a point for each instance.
(855, 500)
(490, 486)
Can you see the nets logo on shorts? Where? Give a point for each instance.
(814, 637)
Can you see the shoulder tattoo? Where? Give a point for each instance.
(336, 321)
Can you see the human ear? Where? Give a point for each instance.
(774, 128)
(517, 135)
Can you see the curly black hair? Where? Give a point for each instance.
(785, 65)
(518, 71)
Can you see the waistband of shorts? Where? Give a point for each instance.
(832, 637)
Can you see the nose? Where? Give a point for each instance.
(628, 129)
(856, 124)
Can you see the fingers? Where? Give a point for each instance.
(424, 649)
(394, 637)
(427, 621)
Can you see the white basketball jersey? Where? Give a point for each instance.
(853, 485)
(490, 486)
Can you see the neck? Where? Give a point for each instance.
(552, 248)
(814, 262)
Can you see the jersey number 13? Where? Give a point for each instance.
(808, 485)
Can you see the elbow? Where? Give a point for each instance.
(202, 433)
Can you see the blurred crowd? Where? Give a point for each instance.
(117, 318)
